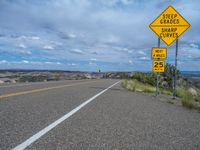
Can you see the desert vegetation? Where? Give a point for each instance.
(145, 82)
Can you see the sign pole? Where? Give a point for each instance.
(157, 74)
(175, 71)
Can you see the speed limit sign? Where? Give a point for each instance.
(158, 66)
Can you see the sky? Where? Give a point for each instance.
(88, 35)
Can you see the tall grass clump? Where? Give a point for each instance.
(187, 101)
(134, 85)
(197, 98)
(186, 97)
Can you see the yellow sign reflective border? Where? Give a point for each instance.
(158, 66)
(159, 53)
(169, 25)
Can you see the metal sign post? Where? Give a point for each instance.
(157, 74)
(175, 71)
(156, 83)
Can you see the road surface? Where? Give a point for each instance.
(92, 114)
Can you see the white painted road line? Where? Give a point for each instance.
(42, 132)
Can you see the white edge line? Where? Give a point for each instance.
(42, 132)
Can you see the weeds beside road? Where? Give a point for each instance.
(190, 97)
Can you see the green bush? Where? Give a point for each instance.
(146, 78)
(150, 78)
(168, 75)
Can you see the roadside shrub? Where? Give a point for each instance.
(149, 89)
(187, 101)
(197, 98)
(147, 78)
(180, 91)
(169, 73)
(134, 85)
(166, 92)
(186, 97)
(129, 85)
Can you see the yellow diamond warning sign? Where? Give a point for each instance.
(169, 25)
(158, 66)
(159, 53)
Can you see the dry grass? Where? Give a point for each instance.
(186, 96)
(134, 85)
(187, 99)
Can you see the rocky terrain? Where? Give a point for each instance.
(16, 76)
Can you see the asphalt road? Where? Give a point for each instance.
(113, 119)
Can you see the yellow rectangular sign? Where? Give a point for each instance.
(159, 53)
(158, 66)
(169, 25)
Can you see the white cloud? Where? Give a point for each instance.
(73, 64)
(93, 59)
(25, 61)
(35, 38)
(3, 61)
(52, 63)
(92, 64)
(58, 63)
(130, 62)
(144, 58)
(48, 47)
(193, 45)
(48, 62)
(24, 52)
(141, 52)
(111, 39)
(76, 51)
(72, 35)
(111, 3)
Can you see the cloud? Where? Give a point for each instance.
(141, 52)
(93, 59)
(35, 38)
(48, 47)
(3, 62)
(193, 45)
(92, 64)
(76, 51)
(71, 64)
(25, 61)
(58, 63)
(52, 63)
(144, 58)
(21, 45)
(130, 62)
(72, 35)
(111, 31)
(112, 3)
